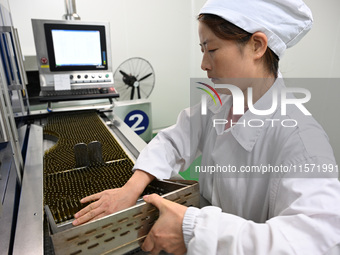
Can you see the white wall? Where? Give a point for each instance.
(165, 33)
(318, 56)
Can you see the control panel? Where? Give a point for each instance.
(91, 78)
(79, 80)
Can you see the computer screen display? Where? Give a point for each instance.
(76, 47)
(73, 54)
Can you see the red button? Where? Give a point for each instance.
(43, 60)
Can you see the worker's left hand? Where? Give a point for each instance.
(166, 234)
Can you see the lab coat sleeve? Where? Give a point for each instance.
(307, 221)
(174, 148)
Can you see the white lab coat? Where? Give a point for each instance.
(257, 214)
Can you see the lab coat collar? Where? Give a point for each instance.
(248, 135)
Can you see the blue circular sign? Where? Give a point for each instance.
(138, 121)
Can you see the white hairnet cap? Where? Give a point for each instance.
(284, 22)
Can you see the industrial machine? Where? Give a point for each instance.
(50, 159)
(74, 60)
(91, 151)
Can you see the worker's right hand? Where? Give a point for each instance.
(106, 202)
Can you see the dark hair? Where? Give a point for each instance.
(228, 31)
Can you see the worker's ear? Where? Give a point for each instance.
(259, 44)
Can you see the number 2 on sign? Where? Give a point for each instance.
(135, 127)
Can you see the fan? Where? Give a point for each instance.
(134, 79)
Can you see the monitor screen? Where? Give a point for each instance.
(76, 47)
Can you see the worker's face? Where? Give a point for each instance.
(222, 58)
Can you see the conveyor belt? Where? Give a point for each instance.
(64, 184)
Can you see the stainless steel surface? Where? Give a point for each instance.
(95, 152)
(12, 56)
(30, 63)
(29, 231)
(71, 106)
(22, 72)
(86, 154)
(21, 135)
(6, 160)
(3, 120)
(120, 232)
(96, 104)
(8, 123)
(8, 187)
(71, 12)
(81, 155)
(47, 77)
(129, 139)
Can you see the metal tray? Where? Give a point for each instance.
(120, 232)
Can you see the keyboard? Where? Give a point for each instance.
(77, 94)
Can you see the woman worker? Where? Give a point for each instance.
(281, 213)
